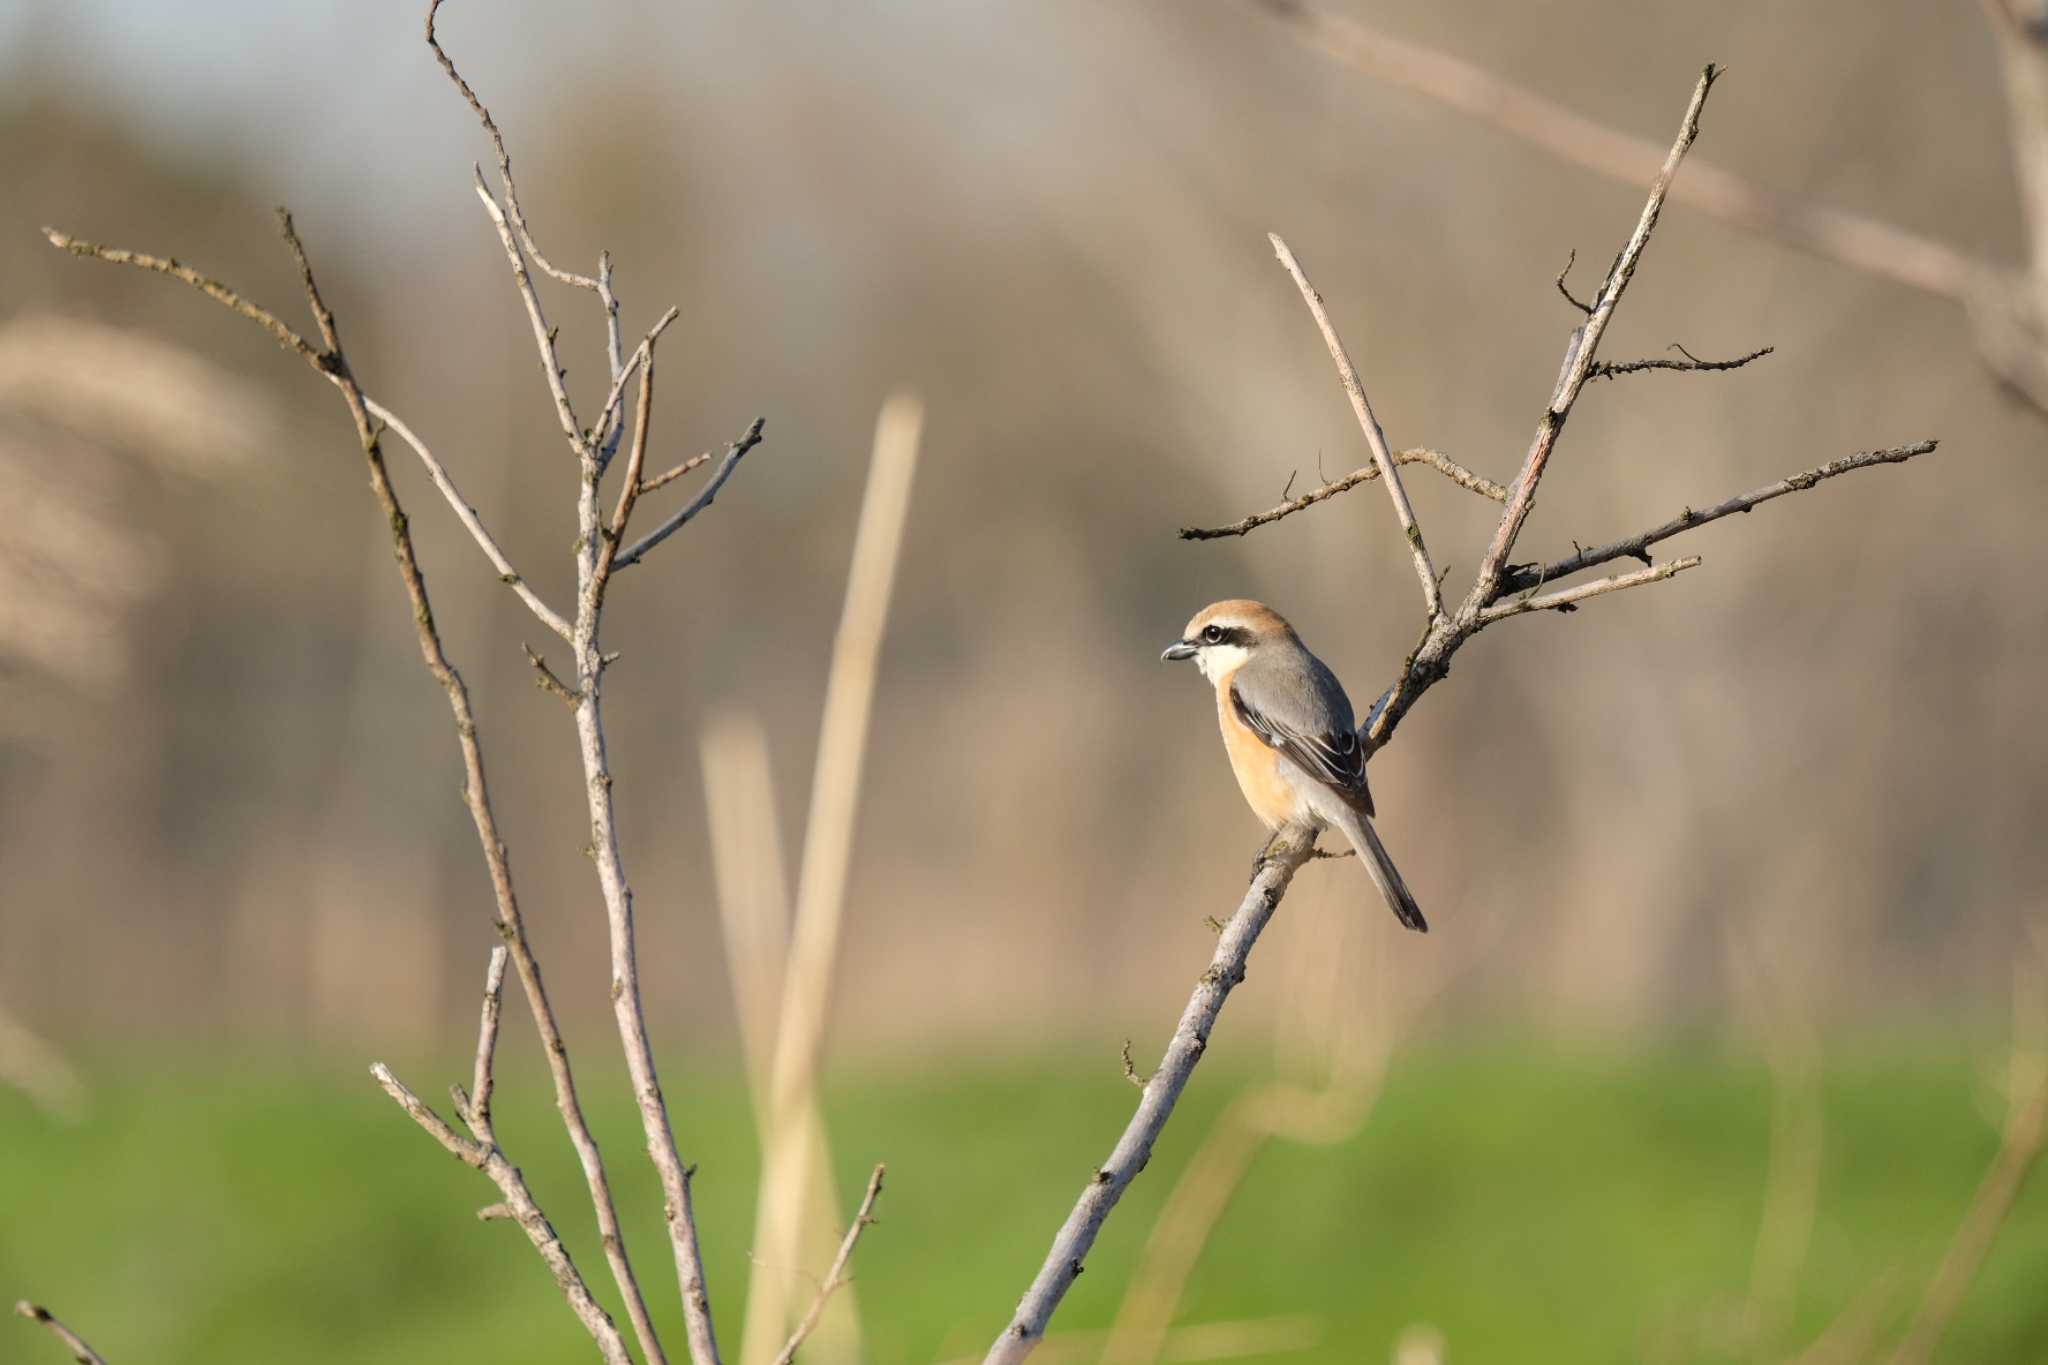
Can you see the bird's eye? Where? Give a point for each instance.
(1212, 633)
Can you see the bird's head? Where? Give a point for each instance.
(1223, 635)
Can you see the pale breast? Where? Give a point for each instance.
(1257, 765)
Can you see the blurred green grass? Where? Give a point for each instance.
(1531, 1206)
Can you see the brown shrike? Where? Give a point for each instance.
(1288, 730)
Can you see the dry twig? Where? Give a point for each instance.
(1686, 363)
(595, 559)
(1448, 630)
(1375, 439)
(1523, 576)
(1436, 459)
(837, 1277)
(80, 1352)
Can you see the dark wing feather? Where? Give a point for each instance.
(1337, 758)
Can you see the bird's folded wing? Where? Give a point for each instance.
(1333, 756)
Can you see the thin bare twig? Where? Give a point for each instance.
(1565, 599)
(546, 679)
(1688, 362)
(1579, 356)
(669, 476)
(1430, 661)
(467, 515)
(1435, 459)
(836, 1277)
(734, 453)
(600, 285)
(486, 1157)
(543, 335)
(1375, 439)
(292, 341)
(332, 363)
(596, 558)
(477, 1112)
(74, 1343)
(608, 420)
(1520, 577)
(1565, 290)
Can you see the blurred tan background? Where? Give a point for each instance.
(228, 792)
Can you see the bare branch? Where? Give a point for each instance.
(547, 681)
(1517, 578)
(1610, 369)
(1562, 288)
(836, 1276)
(1432, 594)
(467, 515)
(601, 285)
(663, 480)
(519, 1202)
(476, 790)
(1064, 1263)
(324, 362)
(80, 1352)
(608, 536)
(596, 558)
(543, 335)
(477, 1113)
(1568, 598)
(608, 419)
(1586, 342)
(213, 289)
(734, 453)
(1437, 460)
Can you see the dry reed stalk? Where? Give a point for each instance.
(828, 845)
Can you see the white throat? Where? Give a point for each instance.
(1218, 661)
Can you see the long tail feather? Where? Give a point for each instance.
(1384, 874)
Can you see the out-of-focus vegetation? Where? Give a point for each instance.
(1531, 1206)
(1049, 220)
(227, 817)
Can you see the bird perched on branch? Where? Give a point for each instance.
(1288, 729)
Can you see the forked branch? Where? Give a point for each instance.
(1435, 459)
(1375, 439)
(1448, 630)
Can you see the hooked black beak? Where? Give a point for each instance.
(1179, 649)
